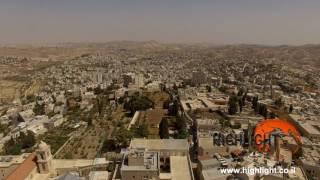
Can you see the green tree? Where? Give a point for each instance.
(209, 88)
(182, 134)
(164, 129)
(278, 102)
(298, 153)
(138, 103)
(240, 102)
(4, 129)
(141, 131)
(240, 92)
(109, 145)
(173, 108)
(263, 110)
(233, 105)
(30, 140)
(223, 89)
(181, 126)
(244, 97)
(166, 104)
(39, 109)
(255, 103)
(30, 98)
(272, 115)
(54, 100)
(180, 123)
(123, 137)
(290, 108)
(12, 147)
(100, 104)
(97, 90)
(26, 140)
(89, 121)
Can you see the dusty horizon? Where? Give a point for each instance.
(228, 22)
(57, 44)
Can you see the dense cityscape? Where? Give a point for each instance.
(148, 110)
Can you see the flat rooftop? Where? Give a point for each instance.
(160, 144)
(210, 163)
(206, 142)
(69, 163)
(192, 104)
(207, 121)
(98, 175)
(100, 161)
(311, 156)
(213, 174)
(309, 128)
(150, 162)
(180, 169)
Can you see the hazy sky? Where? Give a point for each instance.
(213, 21)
